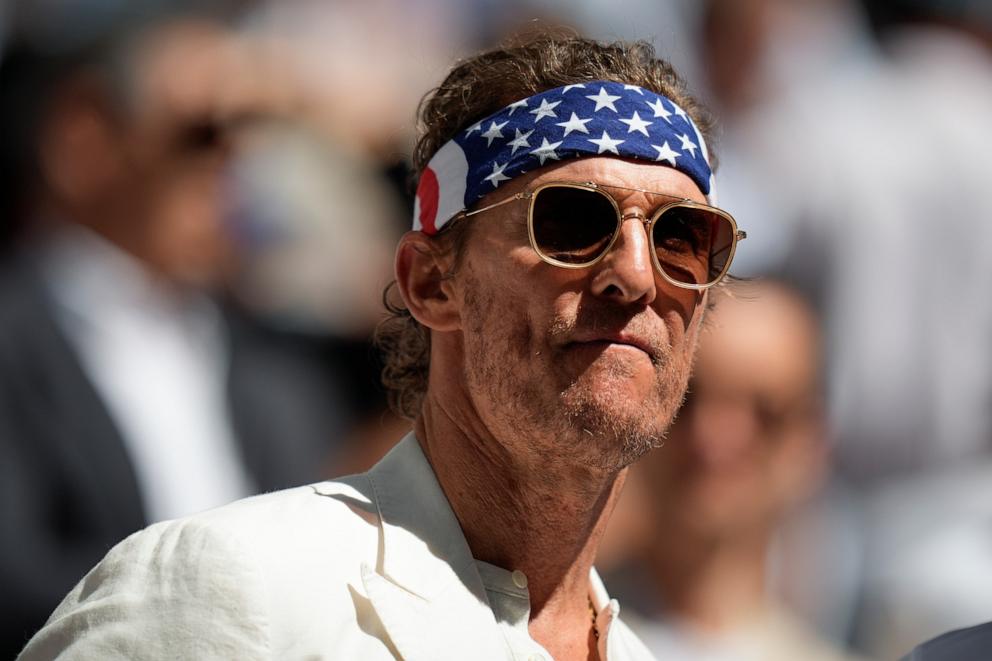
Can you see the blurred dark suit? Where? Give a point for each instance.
(68, 491)
(971, 644)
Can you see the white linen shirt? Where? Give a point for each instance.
(371, 566)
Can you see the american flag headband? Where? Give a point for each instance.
(586, 119)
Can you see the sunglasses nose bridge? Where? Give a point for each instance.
(644, 221)
(631, 215)
(635, 215)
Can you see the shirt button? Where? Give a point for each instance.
(520, 580)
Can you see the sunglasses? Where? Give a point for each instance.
(201, 136)
(208, 133)
(574, 225)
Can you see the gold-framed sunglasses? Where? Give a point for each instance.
(574, 225)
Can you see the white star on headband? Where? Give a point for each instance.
(547, 150)
(688, 144)
(494, 132)
(475, 127)
(635, 123)
(606, 143)
(572, 87)
(519, 141)
(497, 176)
(666, 153)
(516, 104)
(660, 110)
(575, 124)
(546, 110)
(603, 100)
(634, 88)
(680, 112)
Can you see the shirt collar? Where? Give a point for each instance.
(424, 549)
(94, 282)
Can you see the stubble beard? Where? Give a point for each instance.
(574, 422)
(617, 430)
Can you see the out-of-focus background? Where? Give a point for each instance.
(198, 208)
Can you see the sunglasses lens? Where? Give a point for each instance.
(693, 245)
(572, 225)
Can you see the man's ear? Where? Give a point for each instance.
(421, 269)
(80, 157)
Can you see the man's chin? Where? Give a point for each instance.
(614, 431)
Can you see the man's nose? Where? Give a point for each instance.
(626, 274)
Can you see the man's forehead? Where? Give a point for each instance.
(181, 69)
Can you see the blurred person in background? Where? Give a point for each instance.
(300, 185)
(307, 264)
(772, 67)
(132, 390)
(882, 197)
(929, 568)
(746, 451)
(780, 59)
(882, 148)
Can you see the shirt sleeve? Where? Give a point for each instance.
(177, 590)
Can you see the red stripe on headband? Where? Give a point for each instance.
(427, 193)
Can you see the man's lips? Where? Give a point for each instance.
(627, 339)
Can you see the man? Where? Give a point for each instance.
(543, 345)
(128, 393)
(747, 449)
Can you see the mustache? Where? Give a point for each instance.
(605, 319)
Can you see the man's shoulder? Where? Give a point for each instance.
(334, 512)
(327, 529)
(261, 574)
(970, 644)
(255, 569)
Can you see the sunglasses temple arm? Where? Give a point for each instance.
(513, 198)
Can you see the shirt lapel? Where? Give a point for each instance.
(425, 587)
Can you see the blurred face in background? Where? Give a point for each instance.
(146, 170)
(734, 34)
(748, 443)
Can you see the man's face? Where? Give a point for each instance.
(148, 173)
(587, 365)
(178, 149)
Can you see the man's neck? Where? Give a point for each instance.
(545, 523)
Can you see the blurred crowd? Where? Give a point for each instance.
(199, 206)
